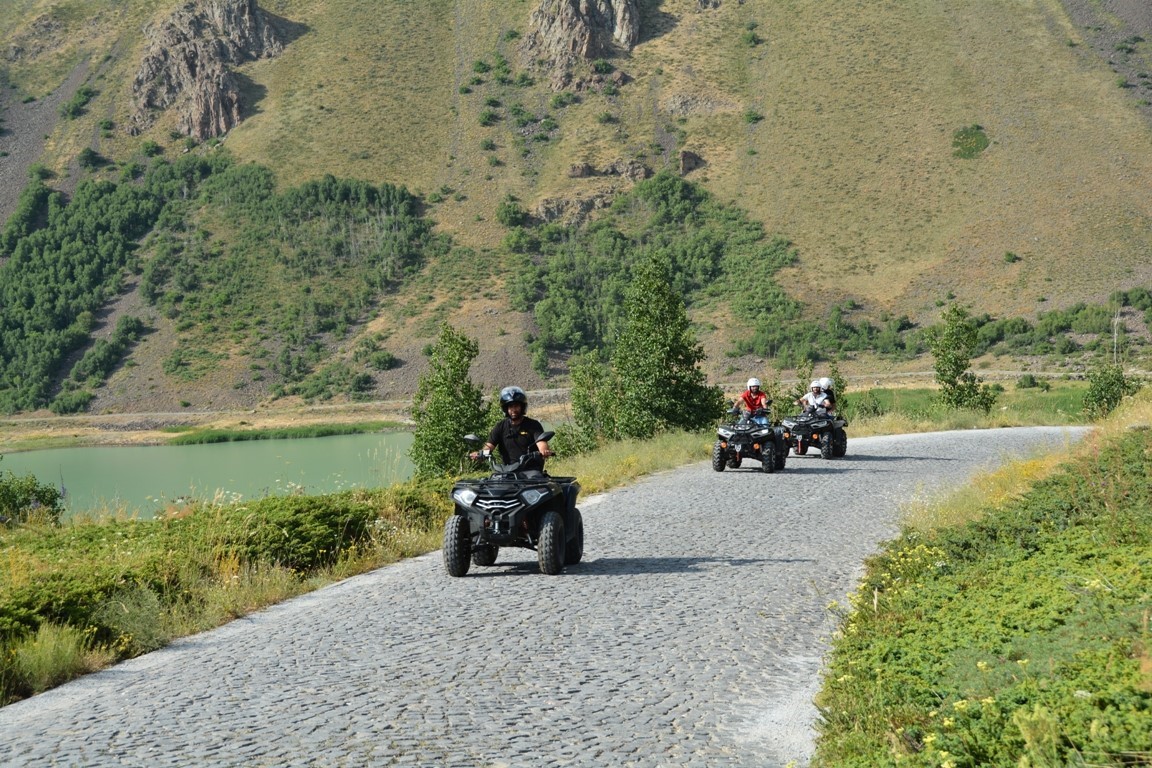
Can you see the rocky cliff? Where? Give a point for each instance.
(188, 65)
(565, 33)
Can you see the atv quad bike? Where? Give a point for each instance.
(817, 429)
(746, 438)
(518, 505)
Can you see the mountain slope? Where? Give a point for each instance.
(832, 124)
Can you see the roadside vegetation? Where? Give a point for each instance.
(1009, 624)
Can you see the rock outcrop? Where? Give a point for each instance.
(189, 60)
(565, 33)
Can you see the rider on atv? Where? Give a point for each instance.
(753, 400)
(827, 386)
(517, 434)
(819, 396)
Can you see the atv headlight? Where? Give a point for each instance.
(464, 496)
(533, 495)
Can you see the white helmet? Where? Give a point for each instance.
(753, 382)
(815, 385)
(827, 383)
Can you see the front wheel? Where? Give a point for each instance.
(718, 457)
(574, 549)
(781, 456)
(550, 545)
(457, 545)
(800, 448)
(768, 458)
(839, 443)
(826, 445)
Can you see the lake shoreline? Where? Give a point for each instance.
(44, 430)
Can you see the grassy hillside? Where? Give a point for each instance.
(832, 125)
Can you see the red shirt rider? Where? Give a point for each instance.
(754, 401)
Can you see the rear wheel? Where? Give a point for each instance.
(800, 448)
(718, 457)
(826, 445)
(574, 549)
(768, 459)
(457, 545)
(485, 554)
(839, 443)
(550, 545)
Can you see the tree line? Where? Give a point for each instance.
(218, 250)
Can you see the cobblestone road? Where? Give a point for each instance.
(691, 635)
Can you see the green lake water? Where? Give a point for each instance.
(141, 480)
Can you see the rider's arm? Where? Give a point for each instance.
(483, 452)
(542, 446)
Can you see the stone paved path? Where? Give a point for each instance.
(691, 635)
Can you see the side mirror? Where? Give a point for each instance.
(472, 439)
(545, 436)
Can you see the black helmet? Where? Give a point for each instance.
(510, 395)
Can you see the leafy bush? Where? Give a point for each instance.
(90, 159)
(1107, 386)
(302, 533)
(24, 499)
(510, 213)
(969, 142)
(74, 107)
(563, 99)
(1028, 381)
(72, 401)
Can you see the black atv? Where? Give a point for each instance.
(745, 438)
(519, 505)
(816, 429)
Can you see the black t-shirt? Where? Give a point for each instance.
(514, 441)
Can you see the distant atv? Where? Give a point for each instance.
(744, 438)
(816, 429)
(519, 505)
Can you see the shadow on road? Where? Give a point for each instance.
(860, 457)
(626, 566)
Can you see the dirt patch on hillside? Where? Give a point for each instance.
(1116, 31)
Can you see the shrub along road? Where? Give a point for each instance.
(691, 635)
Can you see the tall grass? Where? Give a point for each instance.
(1008, 624)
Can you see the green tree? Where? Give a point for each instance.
(1107, 386)
(952, 342)
(448, 405)
(656, 359)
